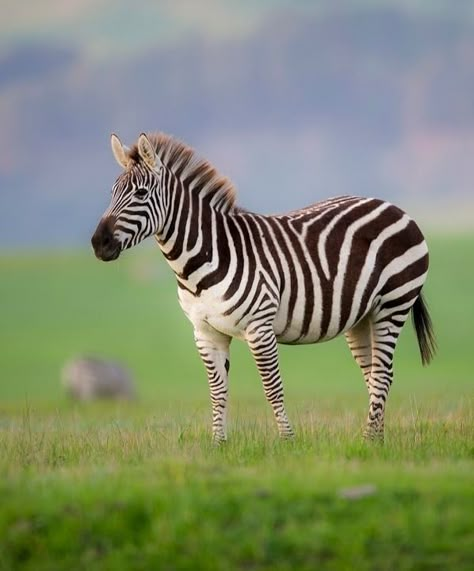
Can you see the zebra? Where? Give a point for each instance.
(347, 265)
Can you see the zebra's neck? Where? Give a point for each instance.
(189, 237)
(194, 199)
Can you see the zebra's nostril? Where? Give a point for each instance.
(104, 235)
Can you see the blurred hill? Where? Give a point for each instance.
(295, 104)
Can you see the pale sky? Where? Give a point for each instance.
(106, 27)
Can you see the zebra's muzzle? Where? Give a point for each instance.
(106, 246)
(107, 254)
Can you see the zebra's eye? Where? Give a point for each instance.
(141, 192)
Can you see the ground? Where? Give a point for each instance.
(140, 486)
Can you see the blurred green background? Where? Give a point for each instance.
(55, 306)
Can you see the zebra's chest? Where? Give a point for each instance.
(208, 309)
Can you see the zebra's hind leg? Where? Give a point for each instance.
(359, 339)
(263, 345)
(213, 349)
(387, 324)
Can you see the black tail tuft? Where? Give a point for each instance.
(424, 330)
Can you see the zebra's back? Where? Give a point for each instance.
(339, 260)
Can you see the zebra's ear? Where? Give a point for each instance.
(120, 151)
(146, 151)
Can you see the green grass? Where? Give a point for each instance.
(140, 486)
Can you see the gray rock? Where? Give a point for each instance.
(89, 378)
(358, 492)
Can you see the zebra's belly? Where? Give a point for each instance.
(301, 329)
(295, 327)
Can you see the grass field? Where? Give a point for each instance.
(140, 486)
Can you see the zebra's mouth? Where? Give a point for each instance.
(108, 254)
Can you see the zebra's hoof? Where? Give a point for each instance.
(374, 438)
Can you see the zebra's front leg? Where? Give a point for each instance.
(263, 345)
(213, 349)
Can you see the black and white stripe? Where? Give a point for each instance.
(346, 265)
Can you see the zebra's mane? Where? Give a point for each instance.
(199, 174)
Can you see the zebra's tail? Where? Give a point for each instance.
(424, 330)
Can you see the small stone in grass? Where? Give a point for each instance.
(357, 492)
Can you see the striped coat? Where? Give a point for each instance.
(345, 265)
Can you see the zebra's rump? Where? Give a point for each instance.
(341, 259)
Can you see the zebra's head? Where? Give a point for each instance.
(134, 212)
